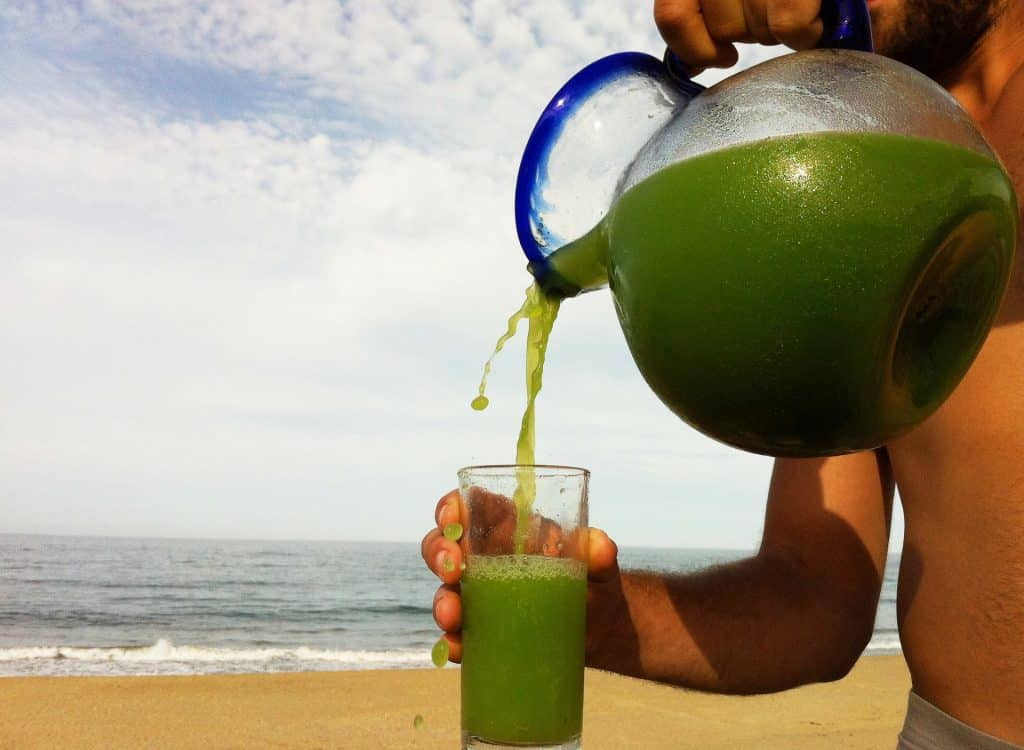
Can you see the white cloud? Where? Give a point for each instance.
(271, 323)
(463, 73)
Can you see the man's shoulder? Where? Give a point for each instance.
(1012, 96)
(1004, 126)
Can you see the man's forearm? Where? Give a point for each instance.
(757, 625)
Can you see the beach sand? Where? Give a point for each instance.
(377, 709)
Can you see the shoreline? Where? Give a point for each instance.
(359, 710)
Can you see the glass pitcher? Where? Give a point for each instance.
(804, 258)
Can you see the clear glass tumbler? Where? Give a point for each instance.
(524, 593)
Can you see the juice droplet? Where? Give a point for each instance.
(453, 531)
(480, 402)
(439, 653)
(417, 722)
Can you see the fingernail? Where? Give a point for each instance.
(448, 564)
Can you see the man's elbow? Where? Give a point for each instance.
(849, 631)
(837, 619)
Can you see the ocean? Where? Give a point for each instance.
(121, 606)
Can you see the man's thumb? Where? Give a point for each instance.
(603, 554)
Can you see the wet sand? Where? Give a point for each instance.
(377, 709)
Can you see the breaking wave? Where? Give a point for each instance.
(164, 657)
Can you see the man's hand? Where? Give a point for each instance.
(702, 32)
(494, 528)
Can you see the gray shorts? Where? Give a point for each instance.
(930, 728)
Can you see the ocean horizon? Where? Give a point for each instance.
(144, 606)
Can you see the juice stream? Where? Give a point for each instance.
(540, 311)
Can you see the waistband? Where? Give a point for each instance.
(928, 727)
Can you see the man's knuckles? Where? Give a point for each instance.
(678, 17)
(726, 21)
(795, 23)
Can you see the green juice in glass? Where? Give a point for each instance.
(523, 648)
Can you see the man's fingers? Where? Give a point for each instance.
(448, 510)
(603, 556)
(682, 25)
(447, 561)
(795, 23)
(756, 14)
(454, 647)
(448, 608)
(701, 32)
(442, 556)
(445, 557)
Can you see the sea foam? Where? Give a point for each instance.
(164, 657)
(884, 643)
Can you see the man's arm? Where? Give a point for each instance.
(801, 610)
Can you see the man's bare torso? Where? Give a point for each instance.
(961, 480)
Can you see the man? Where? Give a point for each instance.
(802, 609)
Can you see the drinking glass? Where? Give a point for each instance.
(524, 594)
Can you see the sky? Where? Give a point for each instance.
(254, 255)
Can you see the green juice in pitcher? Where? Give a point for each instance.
(809, 294)
(523, 647)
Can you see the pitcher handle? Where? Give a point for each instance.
(847, 25)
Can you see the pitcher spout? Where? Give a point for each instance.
(580, 266)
